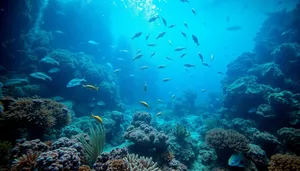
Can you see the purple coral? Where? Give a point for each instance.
(146, 136)
(23, 147)
(105, 159)
(64, 158)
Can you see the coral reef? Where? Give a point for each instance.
(23, 147)
(284, 162)
(290, 138)
(180, 132)
(25, 162)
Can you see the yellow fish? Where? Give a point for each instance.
(97, 118)
(145, 104)
(91, 87)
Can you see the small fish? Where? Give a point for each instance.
(151, 44)
(139, 51)
(54, 70)
(184, 35)
(173, 96)
(234, 28)
(143, 67)
(227, 19)
(212, 57)
(91, 87)
(154, 18)
(16, 82)
(205, 64)
(147, 37)
(166, 79)
(152, 54)
(137, 57)
(170, 43)
(164, 21)
(159, 101)
(101, 103)
(162, 66)
(92, 42)
(189, 65)
(117, 70)
(185, 24)
(172, 25)
(185, 1)
(136, 35)
(49, 60)
(200, 56)
(221, 73)
(181, 56)
(194, 11)
(123, 50)
(236, 160)
(180, 49)
(170, 59)
(75, 82)
(59, 32)
(195, 39)
(203, 90)
(97, 118)
(177, 89)
(144, 104)
(110, 65)
(40, 75)
(159, 113)
(145, 87)
(160, 35)
(252, 110)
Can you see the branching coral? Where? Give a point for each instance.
(137, 163)
(180, 132)
(25, 162)
(219, 138)
(284, 162)
(37, 113)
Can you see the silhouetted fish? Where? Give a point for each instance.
(136, 35)
(195, 39)
(233, 28)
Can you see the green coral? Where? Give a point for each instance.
(180, 132)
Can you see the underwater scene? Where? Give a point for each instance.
(150, 85)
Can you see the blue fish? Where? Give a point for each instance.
(41, 76)
(16, 82)
(75, 82)
(54, 70)
(236, 160)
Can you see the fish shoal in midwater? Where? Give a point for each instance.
(144, 104)
(184, 35)
(168, 58)
(187, 1)
(151, 44)
(137, 57)
(170, 43)
(41, 76)
(212, 57)
(194, 11)
(205, 64)
(152, 54)
(173, 96)
(117, 70)
(54, 70)
(136, 35)
(147, 37)
(159, 101)
(221, 73)
(185, 24)
(16, 82)
(97, 118)
(159, 113)
(91, 87)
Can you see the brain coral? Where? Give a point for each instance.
(219, 138)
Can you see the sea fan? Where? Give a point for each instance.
(26, 162)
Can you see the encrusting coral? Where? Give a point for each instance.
(284, 162)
